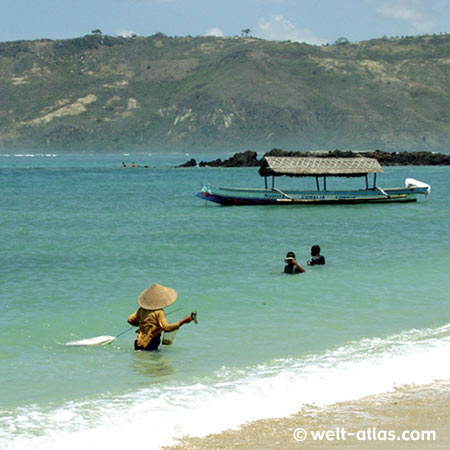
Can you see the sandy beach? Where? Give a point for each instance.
(416, 417)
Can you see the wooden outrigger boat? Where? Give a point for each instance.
(320, 168)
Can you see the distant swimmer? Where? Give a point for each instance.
(292, 266)
(316, 257)
(151, 318)
(123, 164)
(133, 164)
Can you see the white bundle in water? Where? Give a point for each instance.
(98, 340)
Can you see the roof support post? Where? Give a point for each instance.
(367, 182)
(317, 183)
(324, 183)
(265, 181)
(273, 181)
(374, 180)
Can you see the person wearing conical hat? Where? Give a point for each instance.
(151, 318)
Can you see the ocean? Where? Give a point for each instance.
(81, 237)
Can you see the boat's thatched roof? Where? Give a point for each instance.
(318, 167)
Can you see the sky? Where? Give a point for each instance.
(311, 21)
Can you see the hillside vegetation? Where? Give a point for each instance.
(99, 93)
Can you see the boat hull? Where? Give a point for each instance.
(237, 196)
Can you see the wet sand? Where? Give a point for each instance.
(375, 422)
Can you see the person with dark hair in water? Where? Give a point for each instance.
(292, 266)
(316, 257)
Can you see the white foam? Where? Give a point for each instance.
(157, 416)
(34, 155)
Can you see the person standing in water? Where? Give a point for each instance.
(151, 317)
(292, 266)
(316, 257)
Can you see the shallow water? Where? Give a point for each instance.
(82, 237)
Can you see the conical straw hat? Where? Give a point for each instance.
(157, 297)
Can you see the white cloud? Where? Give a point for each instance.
(278, 28)
(415, 13)
(126, 33)
(215, 32)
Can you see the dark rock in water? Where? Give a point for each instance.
(216, 163)
(243, 159)
(191, 163)
(250, 159)
(384, 158)
(317, 154)
(410, 158)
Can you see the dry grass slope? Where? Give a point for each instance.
(99, 93)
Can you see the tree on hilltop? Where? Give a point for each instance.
(342, 41)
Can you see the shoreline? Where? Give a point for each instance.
(407, 418)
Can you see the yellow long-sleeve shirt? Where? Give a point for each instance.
(151, 324)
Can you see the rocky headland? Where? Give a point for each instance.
(250, 158)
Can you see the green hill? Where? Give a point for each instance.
(99, 93)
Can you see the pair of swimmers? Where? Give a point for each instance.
(293, 267)
(151, 317)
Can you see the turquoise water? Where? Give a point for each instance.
(81, 237)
